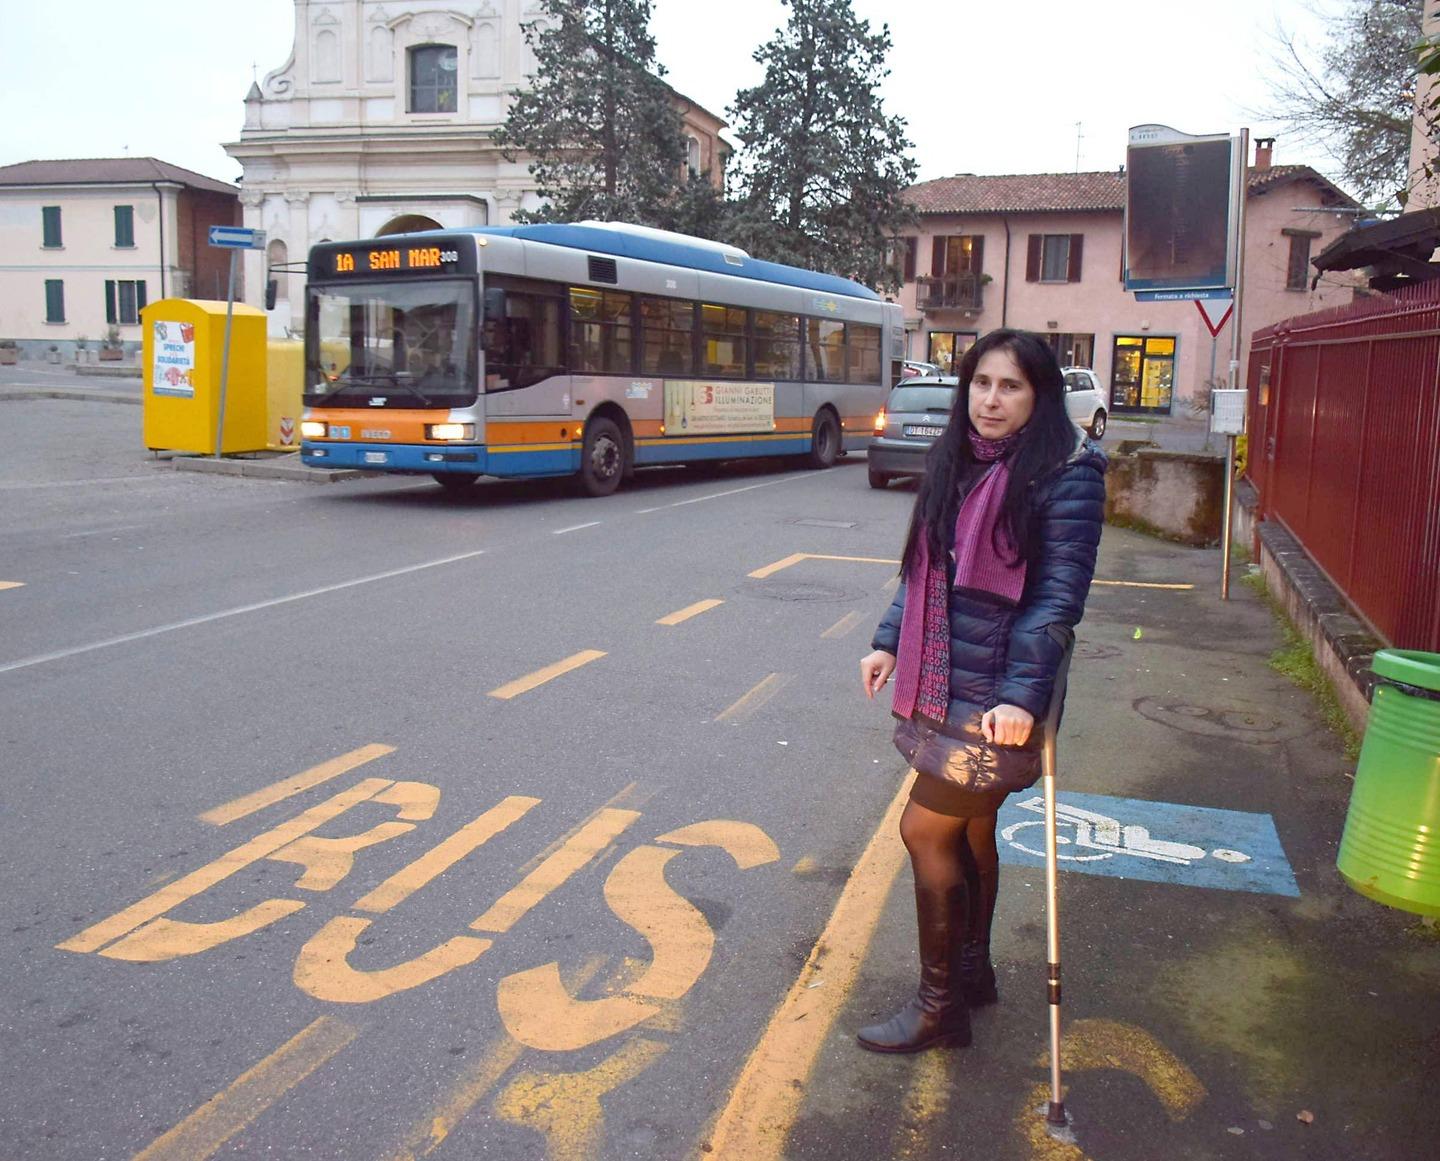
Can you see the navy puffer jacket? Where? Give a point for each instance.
(1001, 653)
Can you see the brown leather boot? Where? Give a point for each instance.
(977, 974)
(938, 1014)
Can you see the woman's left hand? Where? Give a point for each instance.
(1007, 725)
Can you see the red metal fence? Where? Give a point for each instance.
(1344, 450)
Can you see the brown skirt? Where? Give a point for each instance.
(945, 797)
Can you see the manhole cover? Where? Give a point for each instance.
(803, 592)
(1240, 723)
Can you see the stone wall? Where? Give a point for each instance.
(1175, 495)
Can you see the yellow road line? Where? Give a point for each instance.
(766, 688)
(689, 611)
(843, 626)
(549, 673)
(766, 1098)
(204, 1131)
(440, 858)
(796, 558)
(287, 787)
(12, 584)
(1139, 584)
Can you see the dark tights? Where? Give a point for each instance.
(948, 852)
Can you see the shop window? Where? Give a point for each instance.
(945, 348)
(1142, 374)
(433, 86)
(1073, 350)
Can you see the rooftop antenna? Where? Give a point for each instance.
(1079, 136)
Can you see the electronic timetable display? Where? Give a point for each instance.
(388, 257)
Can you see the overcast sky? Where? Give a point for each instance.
(985, 87)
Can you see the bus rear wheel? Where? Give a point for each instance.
(602, 457)
(824, 441)
(455, 482)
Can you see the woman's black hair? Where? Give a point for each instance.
(1045, 443)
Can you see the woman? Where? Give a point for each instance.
(999, 556)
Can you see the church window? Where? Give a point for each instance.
(433, 78)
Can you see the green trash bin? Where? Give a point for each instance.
(1390, 851)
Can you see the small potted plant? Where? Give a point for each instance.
(9, 352)
(111, 350)
(82, 349)
(52, 354)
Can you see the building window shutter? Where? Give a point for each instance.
(54, 300)
(937, 256)
(911, 246)
(977, 254)
(110, 314)
(50, 227)
(1077, 244)
(1032, 258)
(140, 299)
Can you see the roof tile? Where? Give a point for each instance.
(105, 170)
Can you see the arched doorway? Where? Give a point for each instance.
(408, 224)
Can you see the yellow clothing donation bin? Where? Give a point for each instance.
(184, 347)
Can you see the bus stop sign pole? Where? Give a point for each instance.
(234, 239)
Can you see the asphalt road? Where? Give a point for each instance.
(182, 642)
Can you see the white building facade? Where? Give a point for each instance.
(380, 122)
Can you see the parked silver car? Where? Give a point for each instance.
(1086, 400)
(915, 414)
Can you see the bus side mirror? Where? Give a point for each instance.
(272, 288)
(494, 304)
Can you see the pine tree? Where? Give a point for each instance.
(821, 176)
(599, 124)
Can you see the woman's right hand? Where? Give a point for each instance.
(875, 671)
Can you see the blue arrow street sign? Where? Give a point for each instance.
(237, 238)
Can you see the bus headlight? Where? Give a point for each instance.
(450, 431)
(313, 429)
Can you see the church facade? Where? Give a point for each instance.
(381, 121)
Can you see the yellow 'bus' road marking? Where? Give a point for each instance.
(12, 584)
(549, 673)
(579, 848)
(440, 858)
(796, 558)
(288, 787)
(206, 1130)
(766, 1098)
(843, 626)
(689, 611)
(766, 688)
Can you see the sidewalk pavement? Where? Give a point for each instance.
(1226, 995)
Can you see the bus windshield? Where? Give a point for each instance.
(410, 344)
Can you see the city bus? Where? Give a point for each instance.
(587, 350)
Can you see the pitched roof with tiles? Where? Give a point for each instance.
(1033, 193)
(107, 171)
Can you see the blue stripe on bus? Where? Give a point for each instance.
(412, 458)
(1162, 842)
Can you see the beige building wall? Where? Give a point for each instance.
(86, 258)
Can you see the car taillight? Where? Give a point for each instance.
(879, 422)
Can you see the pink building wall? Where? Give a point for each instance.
(1098, 303)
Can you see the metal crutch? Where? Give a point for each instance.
(1057, 1121)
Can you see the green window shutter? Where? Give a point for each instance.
(50, 226)
(54, 300)
(140, 299)
(125, 226)
(111, 316)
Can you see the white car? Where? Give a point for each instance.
(1086, 400)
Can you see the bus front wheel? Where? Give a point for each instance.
(602, 458)
(824, 441)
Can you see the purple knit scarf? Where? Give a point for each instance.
(922, 669)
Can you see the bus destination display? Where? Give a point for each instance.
(394, 258)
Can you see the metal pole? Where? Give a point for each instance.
(1236, 344)
(1057, 1120)
(225, 357)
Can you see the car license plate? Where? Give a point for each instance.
(923, 430)
(339, 432)
(377, 457)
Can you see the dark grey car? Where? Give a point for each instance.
(915, 414)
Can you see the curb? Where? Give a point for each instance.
(268, 470)
(76, 393)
